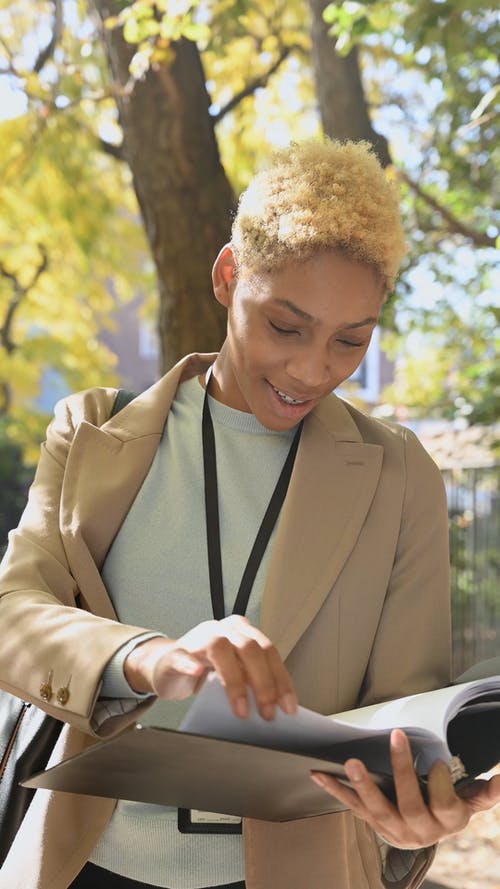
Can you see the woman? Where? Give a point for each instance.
(350, 601)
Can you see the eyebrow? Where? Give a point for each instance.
(307, 317)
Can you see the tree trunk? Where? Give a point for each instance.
(341, 97)
(183, 193)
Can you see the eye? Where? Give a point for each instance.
(353, 344)
(281, 330)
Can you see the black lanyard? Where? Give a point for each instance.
(212, 519)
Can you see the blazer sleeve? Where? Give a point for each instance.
(46, 638)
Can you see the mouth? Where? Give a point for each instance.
(289, 399)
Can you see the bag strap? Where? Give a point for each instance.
(122, 398)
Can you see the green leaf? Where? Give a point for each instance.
(139, 31)
(331, 13)
(196, 32)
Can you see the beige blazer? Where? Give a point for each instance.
(356, 601)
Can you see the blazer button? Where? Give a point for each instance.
(63, 695)
(46, 687)
(45, 691)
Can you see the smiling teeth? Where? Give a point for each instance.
(287, 398)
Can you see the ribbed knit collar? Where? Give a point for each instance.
(227, 416)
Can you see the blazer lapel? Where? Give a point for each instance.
(105, 468)
(333, 482)
(332, 486)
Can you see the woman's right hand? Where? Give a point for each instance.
(240, 654)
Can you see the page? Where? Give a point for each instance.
(211, 715)
(429, 711)
(306, 732)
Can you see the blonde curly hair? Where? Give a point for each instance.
(320, 196)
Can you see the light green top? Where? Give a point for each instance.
(157, 575)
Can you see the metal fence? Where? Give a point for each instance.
(474, 511)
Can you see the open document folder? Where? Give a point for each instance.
(260, 769)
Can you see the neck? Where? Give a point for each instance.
(222, 385)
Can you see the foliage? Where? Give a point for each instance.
(429, 72)
(69, 225)
(69, 221)
(15, 477)
(450, 364)
(256, 59)
(276, 103)
(431, 69)
(155, 27)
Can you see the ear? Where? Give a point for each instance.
(224, 275)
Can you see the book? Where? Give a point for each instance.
(261, 769)
(458, 724)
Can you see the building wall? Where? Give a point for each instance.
(135, 344)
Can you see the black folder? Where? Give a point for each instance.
(192, 771)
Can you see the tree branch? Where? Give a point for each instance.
(6, 398)
(478, 122)
(254, 84)
(19, 295)
(454, 225)
(10, 67)
(110, 148)
(57, 27)
(14, 303)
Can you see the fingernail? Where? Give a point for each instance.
(288, 703)
(354, 771)
(398, 741)
(267, 711)
(241, 707)
(191, 666)
(318, 779)
(440, 775)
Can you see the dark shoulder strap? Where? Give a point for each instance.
(122, 398)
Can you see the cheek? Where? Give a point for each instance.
(250, 340)
(346, 364)
(356, 358)
(241, 328)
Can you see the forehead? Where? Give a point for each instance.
(327, 282)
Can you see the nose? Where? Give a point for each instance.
(310, 371)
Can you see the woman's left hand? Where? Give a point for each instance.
(411, 823)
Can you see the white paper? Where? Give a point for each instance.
(211, 715)
(424, 717)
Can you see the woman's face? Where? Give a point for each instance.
(292, 336)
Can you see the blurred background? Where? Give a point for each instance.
(127, 132)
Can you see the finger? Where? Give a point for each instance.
(236, 621)
(260, 664)
(422, 828)
(258, 672)
(338, 789)
(406, 783)
(176, 674)
(381, 815)
(373, 805)
(481, 794)
(472, 790)
(287, 696)
(447, 808)
(224, 658)
(268, 678)
(267, 675)
(365, 800)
